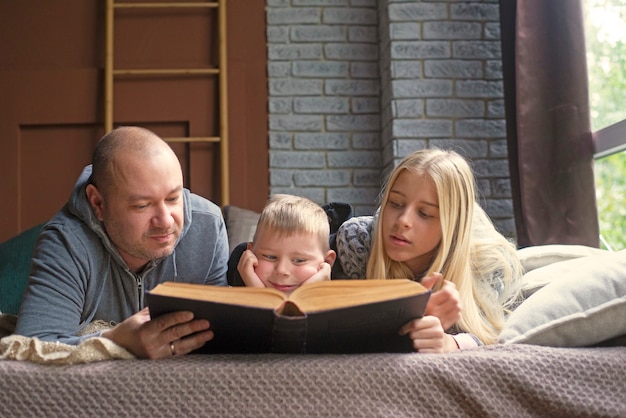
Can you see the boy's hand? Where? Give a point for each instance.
(246, 268)
(444, 303)
(323, 274)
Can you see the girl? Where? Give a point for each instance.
(428, 223)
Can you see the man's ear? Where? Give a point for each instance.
(330, 257)
(95, 200)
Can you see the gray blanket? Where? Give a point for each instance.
(497, 381)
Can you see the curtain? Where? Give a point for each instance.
(548, 123)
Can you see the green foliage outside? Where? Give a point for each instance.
(605, 30)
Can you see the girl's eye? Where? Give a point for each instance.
(425, 215)
(395, 204)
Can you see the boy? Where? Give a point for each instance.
(290, 246)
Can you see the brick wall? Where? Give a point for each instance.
(355, 85)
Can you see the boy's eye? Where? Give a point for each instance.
(269, 257)
(299, 260)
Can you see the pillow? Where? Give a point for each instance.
(583, 304)
(542, 255)
(240, 225)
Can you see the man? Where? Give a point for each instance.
(128, 226)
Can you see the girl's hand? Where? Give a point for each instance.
(428, 335)
(444, 303)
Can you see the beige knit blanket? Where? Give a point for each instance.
(17, 347)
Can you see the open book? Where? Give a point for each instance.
(338, 316)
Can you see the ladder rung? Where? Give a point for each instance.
(193, 139)
(167, 71)
(163, 5)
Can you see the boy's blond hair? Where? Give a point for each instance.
(286, 215)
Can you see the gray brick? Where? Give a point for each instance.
(498, 148)
(364, 69)
(408, 108)
(297, 159)
(332, 178)
(277, 34)
(501, 188)
(491, 168)
(405, 30)
(480, 88)
(492, 31)
(351, 51)
(318, 33)
(366, 140)
(353, 123)
(363, 34)
(358, 159)
(278, 69)
(366, 178)
(363, 210)
(322, 141)
(494, 69)
(405, 147)
(417, 11)
(294, 87)
(420, 49)
(420, 128)
(320, 69)
(453, 69)
(455, 108)
(421, 88)
(476, 49)
(406, 69)
(452, 30)
(321, 105)
(281, 177)
(294, 52)
(469, 148)
(361, 195)
(277, 3)
(280, 140)
(365, 105)
(316, 194)
(295, 123)
(352, 87)
(495, 108)
(293, 15)
(499, 208)
(475, 11)
(483, 190)
(320, 2)
(480, 128)
(353, 16)
(280, 105)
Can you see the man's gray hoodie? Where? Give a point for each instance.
(77, 275)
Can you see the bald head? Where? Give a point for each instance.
(126, 143)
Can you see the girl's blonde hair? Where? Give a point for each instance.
(286, 215)
(471, 254)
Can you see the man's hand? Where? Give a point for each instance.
(444, 303)
(246, 268)
(170, 334)
(323, 274)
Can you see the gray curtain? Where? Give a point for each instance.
(548, 124)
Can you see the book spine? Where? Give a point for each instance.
(289, 334)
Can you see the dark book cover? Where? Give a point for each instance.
(367, 328)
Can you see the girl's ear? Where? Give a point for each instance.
(95, 200)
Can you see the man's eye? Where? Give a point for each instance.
(172, 199)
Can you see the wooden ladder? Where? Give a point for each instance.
(111, 72)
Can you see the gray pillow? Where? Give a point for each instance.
(240, 225)
(582, 304)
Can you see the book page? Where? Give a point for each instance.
(334, 294)
(244, 296)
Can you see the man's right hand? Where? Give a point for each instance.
(170, 334)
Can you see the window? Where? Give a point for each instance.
(605, 34)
